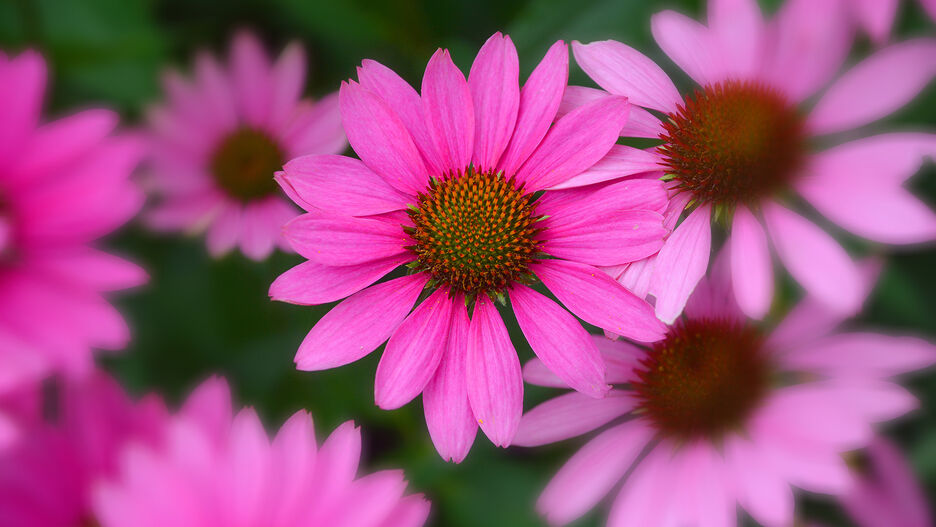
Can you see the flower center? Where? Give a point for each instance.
(475, 232)
(733, 142)
(244, 163)
(704, 379)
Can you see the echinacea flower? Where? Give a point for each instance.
(737, 147)
(63, 185)
(876, 17)
(454, 183)
(721, 414)
(220, 137)
(218, 469)
(47, 476)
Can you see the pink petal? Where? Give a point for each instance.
(495, 384)
(681, 264)
(814, 259)
(622, 70)
(876, 17)
(451, 423)
(339, 184)
(875, 87)
(380, 139)
(597, 299)
(620, 358)
(539, 100)
(209, 407)
(216, 88)
(570, 415)
(344, 240)
(225, 230)
(449, 111)
(559, 341)
(637, 275)
(760, 490)
(288, 81)
(621, 161)
(311, 283)
(690, 45)
(20, 100)
(414, 352)
(640, 122)
(315, 128)
(751, 272)
(609, 238)
(406, 103)
(567, 207)
(250, 73)
(592, 472)
(359, 324)
(737, 28)
(99, 270)
(257, 233)
(864, 355)
(411, 511)
(645, 497)
(575, 143)
(495, 90)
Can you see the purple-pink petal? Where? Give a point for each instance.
(337, 240)
(449, 111)
(681, 263)
(570, 415)
(311, 283)
(495, 90)
(622, 70)
(339, 184)
(751, 270)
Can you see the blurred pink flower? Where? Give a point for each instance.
(447, 187)
(218, 140)
(220, 470)
(876, 17)
(720, 415)
(887, 493)
(47, 475)
(739, 144)
(63, 185)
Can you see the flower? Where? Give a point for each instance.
(218, 140)
(736, 146)
(47, 475)
(721, 414)
(221, 470)
(455, 184)
(63, 185)
(876, 17)
(887, 492)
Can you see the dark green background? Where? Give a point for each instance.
(199, 316)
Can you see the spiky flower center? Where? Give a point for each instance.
(475, 232)
(244, 162)
(704, 379)
(733, 142)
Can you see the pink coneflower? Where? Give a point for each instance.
(736, 147)
(63, 185)
(221, 470)
(721, 414)
(876, 17)
(449, 186)
(218, 140)
(47, 476)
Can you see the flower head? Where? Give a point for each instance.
(735, 148)
(63, 185)
(220, 137)
(456, 183)
(721, 413)
(221, 470)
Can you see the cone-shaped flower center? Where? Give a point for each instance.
(475, 232)
(703, 379)
(244, 163)
(733, 142)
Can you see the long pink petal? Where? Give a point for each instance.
(620, 358)
(257, 233)
(20, 101)
(414, 352)
(597, 299)
(451, 423)
(640, 122)
(876, 17)
(344, 240)
(539, 101)
(681, 263)
(449, 111)
(559, 341)
(613, 237)
(575, 143)
(359, 324)
(380, 139)
(737, 28)
(621, 161)
(495, 384)
(864, 355)
(647, 495)
(568, 208)
(315, 128)
(339, 184)
(815, 259)
(751, 271)
(690, 45)
(570, 415)
(288, 80)
(311, 283)
(622, 70)
(494, 81)
(250, 73)
(592, 472)
(876, 87)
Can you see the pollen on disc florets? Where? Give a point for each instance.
(733, 142)
(704, 379)
(475, 232)
(244, 163)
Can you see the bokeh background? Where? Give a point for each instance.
(200, 316)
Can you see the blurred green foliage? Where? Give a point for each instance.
(200, 316)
